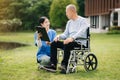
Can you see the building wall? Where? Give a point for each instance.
(100, 21)
(101, 12)
(119, 18)
(100, 7)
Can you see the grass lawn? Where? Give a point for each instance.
(20, 63)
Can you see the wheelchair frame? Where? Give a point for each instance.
(82, 56)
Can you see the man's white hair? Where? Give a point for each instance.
(71, 7)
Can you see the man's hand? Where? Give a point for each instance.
(56, 38)
(68, 40)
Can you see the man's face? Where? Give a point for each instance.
(69, 13)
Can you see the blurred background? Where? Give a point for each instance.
(18, 15)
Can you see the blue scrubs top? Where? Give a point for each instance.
(45, 49)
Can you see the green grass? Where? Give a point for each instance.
(20, 63)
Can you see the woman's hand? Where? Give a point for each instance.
(39, 36)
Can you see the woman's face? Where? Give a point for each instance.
(46, 23)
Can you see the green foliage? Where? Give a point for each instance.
(38, 9)
(10, 25)
(81, 4)
(114, 30)
(17, 9)
(28, 11)
(57, 12)
(4, 9)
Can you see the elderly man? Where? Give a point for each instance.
(75, 28)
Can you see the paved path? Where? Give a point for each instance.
(97, 31)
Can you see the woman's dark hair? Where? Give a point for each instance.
(42, 19)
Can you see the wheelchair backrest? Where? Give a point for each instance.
(88, 32)
(88, 37)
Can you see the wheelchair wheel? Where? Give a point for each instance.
(90, 62)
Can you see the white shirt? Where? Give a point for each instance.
(76, 29)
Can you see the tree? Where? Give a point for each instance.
(4, 9)
(57, 12)
(7, 21)
(81, 4)
(29, 11)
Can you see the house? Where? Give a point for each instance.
(103, 13)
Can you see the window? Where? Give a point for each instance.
(115, 18)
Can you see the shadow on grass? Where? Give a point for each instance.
(11, 45)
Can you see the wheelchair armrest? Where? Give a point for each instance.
(80, 38)
(87, 44)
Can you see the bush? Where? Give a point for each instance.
(114, 30)
(10, 25)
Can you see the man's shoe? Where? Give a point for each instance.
(63, 69)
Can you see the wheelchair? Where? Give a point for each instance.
(81, 56)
